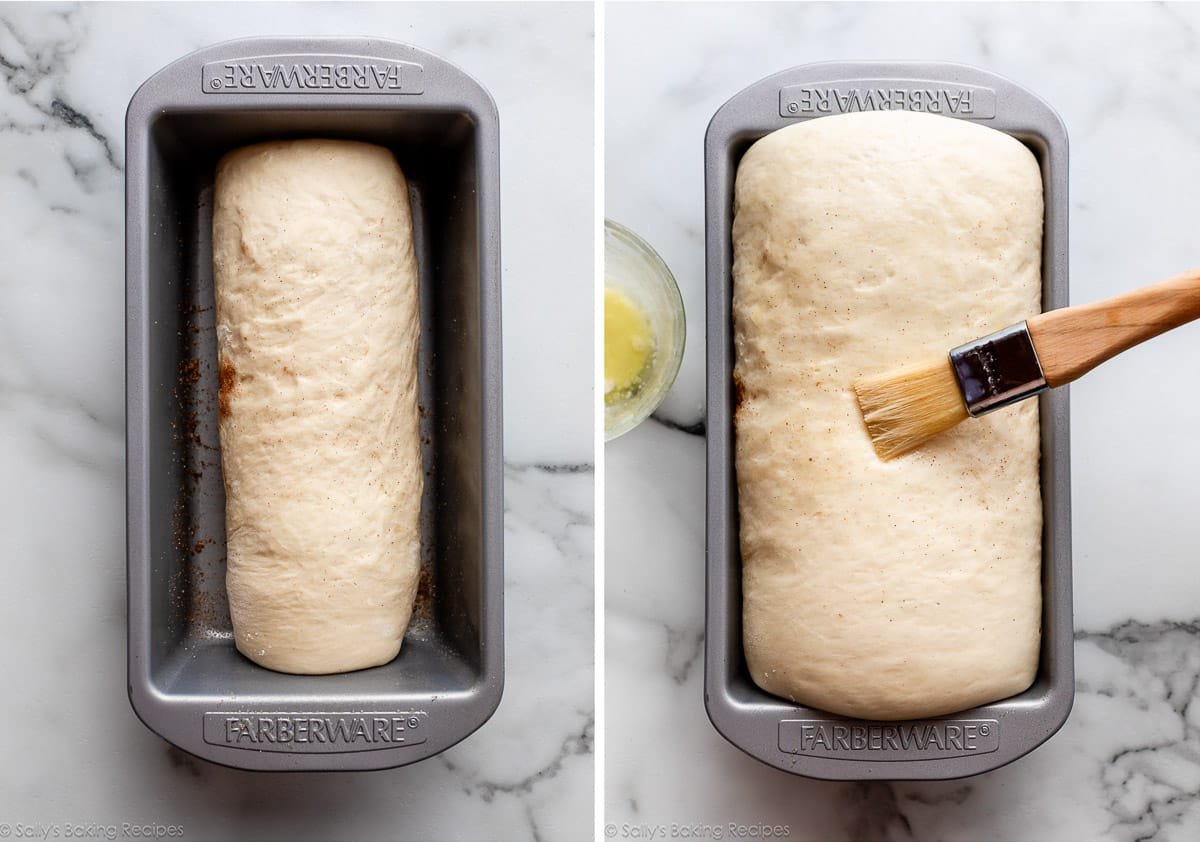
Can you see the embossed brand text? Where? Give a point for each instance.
(312, 74)
(941, 738)
(845, 98)
(323, 732)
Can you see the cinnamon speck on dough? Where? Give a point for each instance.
(228, 381)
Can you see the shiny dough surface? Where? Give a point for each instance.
(909, 588)
(317, 330)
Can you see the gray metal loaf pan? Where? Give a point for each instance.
(186, 680)
(803, 740)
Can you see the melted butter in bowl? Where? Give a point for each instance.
(644, 330)
(628, 346)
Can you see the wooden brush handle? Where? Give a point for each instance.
(1072, 341)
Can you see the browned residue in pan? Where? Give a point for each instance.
(423, 605)
(739, 394)
(189, 371)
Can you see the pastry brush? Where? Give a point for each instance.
(910, 405)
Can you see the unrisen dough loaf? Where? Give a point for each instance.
(909, 588)
(317, 328)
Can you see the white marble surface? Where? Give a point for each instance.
(1127, 764)
(74, 752)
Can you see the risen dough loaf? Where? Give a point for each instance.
(909, 588)
(317, 327)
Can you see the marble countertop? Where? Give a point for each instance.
(75, 754)
(1127, 764)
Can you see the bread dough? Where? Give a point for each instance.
(317, 329)
(901, 589)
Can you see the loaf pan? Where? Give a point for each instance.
(187, 682)
(803, 740)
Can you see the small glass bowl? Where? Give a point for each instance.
(632, 267)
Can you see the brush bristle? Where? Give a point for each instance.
(905, 408)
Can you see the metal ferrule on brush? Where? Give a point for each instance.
(998, 369)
